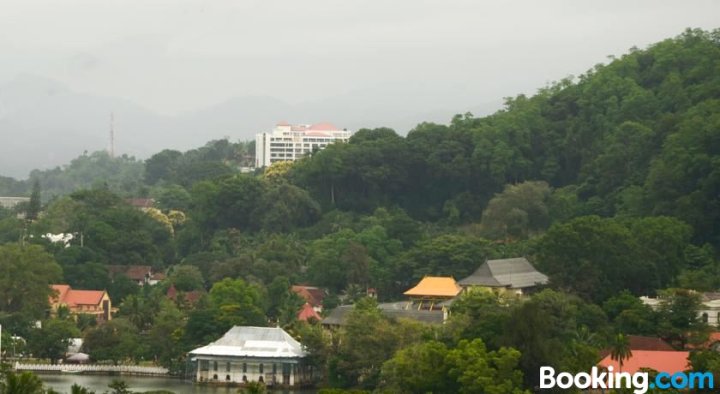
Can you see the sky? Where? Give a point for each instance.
(172, 56)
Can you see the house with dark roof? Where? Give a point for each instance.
(515, 274)
(140, 274)
(89, 302)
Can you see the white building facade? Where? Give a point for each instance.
(253, 354)
(709, 311)
(288, 142)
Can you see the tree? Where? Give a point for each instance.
(284, 303)
(368, 340)
(630, 315)
(448, 254)
(52, 340)
(285, 207)
(162, 166)
(545, 331)
(595, 258)
(165, 335)
(482, 314)
(21, 383)
(231, 302)
(77, 389)
(25, 289)
(420, 368)
(678, 320)
(475, 370)
(518, 212)
(186, 278)
(35, 204)
(620, 350)
(116, 341)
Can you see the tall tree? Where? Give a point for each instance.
(35, 204)
(620, 350)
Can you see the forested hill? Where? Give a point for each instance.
(608, 183)
(638, 136)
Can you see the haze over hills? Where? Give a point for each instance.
(45, 124)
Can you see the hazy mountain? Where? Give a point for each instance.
(45, 124)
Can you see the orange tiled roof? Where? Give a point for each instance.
(70, 297)
(637, 342)
(440, 286)
(313, 295)
(307, 312)
(661, 361)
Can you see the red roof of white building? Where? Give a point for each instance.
(323, 127)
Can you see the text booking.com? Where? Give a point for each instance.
(640, 382)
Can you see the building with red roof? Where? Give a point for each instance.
(307, 313)
(89, 302)
(661, 361)
(312, 295)
(288, 142)
(637, 342)
(140, 274)
(189, 297)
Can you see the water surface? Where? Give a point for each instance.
(99, 384)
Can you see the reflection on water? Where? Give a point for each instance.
(99, 384)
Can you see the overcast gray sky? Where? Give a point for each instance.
(176, 55)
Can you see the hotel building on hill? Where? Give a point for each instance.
(288, 142)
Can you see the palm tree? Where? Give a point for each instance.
(23, 383)
(620, 350)
(77, 389)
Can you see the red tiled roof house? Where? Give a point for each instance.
(91, 302)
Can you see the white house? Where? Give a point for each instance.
(253, 354)
(288, 142)
(709, 310)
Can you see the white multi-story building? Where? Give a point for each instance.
(288, 142)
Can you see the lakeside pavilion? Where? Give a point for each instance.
(253, 354)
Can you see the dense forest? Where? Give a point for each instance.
(609, 183)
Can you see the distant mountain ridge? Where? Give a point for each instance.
(44, 124)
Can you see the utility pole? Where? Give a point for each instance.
(112, 134)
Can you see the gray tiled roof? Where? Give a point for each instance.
(516, 273)
(393, 310)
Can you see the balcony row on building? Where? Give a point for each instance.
(288, 142)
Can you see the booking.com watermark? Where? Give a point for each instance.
(641, 382)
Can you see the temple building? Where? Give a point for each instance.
(432, 291)
(253, 354)
(516, 275)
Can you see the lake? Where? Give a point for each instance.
(99, 384)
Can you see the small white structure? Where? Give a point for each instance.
(288, 142)
(253, 354)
